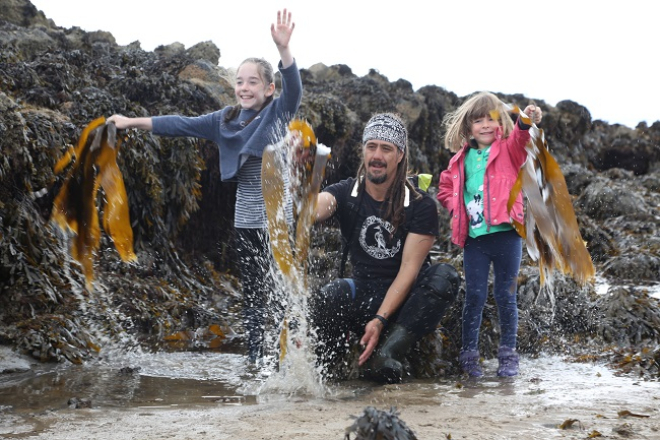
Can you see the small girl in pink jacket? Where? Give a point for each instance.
(475, 188)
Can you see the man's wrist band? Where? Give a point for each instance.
(382, 320)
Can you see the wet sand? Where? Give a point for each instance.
(548, 393)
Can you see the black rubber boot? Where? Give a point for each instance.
(386, 364)
(427, 303)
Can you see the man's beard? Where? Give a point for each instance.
(376, 179)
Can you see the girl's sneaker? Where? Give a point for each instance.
(508, 362)
(469, 361)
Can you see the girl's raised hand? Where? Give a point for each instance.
(534, 112)
(282, 31)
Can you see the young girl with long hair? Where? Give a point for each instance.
(475, 188)
(242, 131)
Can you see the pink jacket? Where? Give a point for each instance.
(505, 159)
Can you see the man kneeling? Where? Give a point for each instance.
(388, 226)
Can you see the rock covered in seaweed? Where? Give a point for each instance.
(375, 424)
(53, 81)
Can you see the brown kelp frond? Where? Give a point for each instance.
(310, 161)
(75, 209)
(66, 212)
(570, 423)
(274, 195)
(290, 253)
(116, 219)
(311, 177)
(626, 413)
(64, 160)
(551, 232)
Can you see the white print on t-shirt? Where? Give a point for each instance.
(373, 241)
(475, 209)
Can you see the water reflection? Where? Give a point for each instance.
(193, 379)
(135, 380)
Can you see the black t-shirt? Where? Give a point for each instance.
(374, 254)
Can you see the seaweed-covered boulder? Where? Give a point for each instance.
(606, 198)
(629, 316)
(22, 13)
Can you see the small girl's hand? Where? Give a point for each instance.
(282, 31)
(535, 113)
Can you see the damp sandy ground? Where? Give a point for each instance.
(195, 396)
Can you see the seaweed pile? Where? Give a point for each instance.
(54, 81)
(376, 424)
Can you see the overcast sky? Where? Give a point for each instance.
(601, 54)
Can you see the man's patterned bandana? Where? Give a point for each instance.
(386, 127)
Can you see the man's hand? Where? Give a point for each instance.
(370, 339)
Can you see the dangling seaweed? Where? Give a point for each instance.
(74, 208)
(310, 190)
(551, 231)
(272, 183)
(291, 255)
(308, 175)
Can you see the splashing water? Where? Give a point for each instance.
(300, 160)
